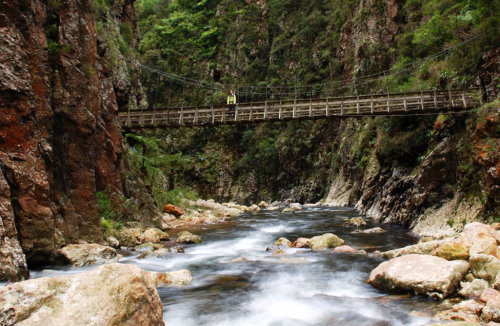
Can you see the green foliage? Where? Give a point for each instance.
(177, 196)
(104, 205)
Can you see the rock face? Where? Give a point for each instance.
(88, 254)
(325, 241)
(420, 274)
(60, 141)
(112, 294)
(12, 260)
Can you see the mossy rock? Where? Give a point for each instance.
(325, 241)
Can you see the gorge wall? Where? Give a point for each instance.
(62, 79)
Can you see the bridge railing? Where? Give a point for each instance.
(362, 105)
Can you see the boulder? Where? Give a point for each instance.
(424, 248)
(171, 209)
(310, 205)
(288, 210)
(482, 239)
(273, 208)
(426, 275)
(485, 267)
(295, 207)
(496, 283)
(88, 254)
(355, 221)
(113, 242)
(283, 242)
(325, 241)
(113, 294)
(473, 289)
(452, 250)
(302, 243)
(217, 208)
(178, 278)
(153, 235)
(187, 237)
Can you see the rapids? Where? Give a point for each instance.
(236, 282)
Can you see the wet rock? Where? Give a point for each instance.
(273, 208)
(452, 250)
(178, 278)
(88, 254)
(496, 283)
(283, 242)
(419, 249)
(310, 205)
(485, 267)
(457, 323)
(153, 235)
(372, 230)
(355, 221)
(295, 207)
(474, 289)
(148, 247)
(113, 294)
(217, 208)
(430, 276)
(347, 249)
(302, 243)
(325, 241)
(113, 242)
(174, 210)
(263, 204)
(288, 210)
(187, 237)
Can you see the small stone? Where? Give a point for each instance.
(474, 289)
(263, 204)
(355, 221)
(178, 278)
(372, 230)
(346, 249)
(113, 242)
(187, 237)
(283, 242)
(302, 243)
(171, 209)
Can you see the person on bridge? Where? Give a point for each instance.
(231, 101)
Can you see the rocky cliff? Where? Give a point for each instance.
(62, 80)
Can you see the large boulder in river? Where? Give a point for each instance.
(187, 237)
(325, 241)
(420, 274)
(109, 295)
(88, 254)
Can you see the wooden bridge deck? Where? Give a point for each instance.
(351, 106)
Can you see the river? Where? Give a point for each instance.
(237, 282)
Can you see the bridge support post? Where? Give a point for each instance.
(357, 104)
(342, 106)
(327, 106)
(388, 105)
(236, 112)
(435, 100)
(422, 100)
(213, 114)
(463, 98)
(405, 103)
(371, 104)
(450, 97)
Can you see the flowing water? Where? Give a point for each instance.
(237, 282)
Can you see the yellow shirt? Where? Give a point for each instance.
(231, 99)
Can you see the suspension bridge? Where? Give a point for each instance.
(283, 103)
(410, 103)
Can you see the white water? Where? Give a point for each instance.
(258, 289)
